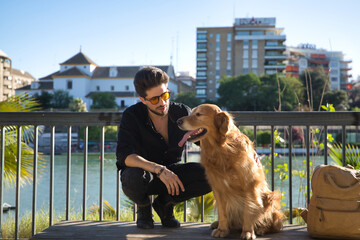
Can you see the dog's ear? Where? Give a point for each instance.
(222, 120)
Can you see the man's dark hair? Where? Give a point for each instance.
(149, 77)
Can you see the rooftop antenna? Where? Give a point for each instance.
(177, 51)
(80, 48)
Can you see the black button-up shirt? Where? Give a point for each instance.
(137, 135)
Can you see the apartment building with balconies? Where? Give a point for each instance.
(251, 45)
(307, 56)
(11, 79)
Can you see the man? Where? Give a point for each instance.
(148, 153)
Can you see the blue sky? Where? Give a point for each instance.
(40, 34)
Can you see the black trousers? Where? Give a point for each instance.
(138, 184)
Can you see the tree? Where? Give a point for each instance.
(251, 93)
(316, 84)
(61, 99)
(44, 99)
(103, 100)
(187, 98)
(20, 103)
(338, 98)
(239, 93)
(77, 105)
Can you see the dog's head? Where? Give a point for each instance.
(206, 120)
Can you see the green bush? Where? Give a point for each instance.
(263, 137)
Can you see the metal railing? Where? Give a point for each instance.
(54, 119)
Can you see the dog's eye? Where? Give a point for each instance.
(198, 114)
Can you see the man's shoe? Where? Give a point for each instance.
(166, 214)
(144, 217)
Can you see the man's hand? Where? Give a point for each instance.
(171, 181)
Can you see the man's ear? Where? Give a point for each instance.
(222, 120)
(142, 99)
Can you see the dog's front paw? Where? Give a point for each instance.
(220, 232)
(214, 225)
(248, 235)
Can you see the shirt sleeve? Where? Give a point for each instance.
(128, 139)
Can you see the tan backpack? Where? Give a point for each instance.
(334, 208)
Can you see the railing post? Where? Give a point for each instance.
(18, 176)
(52, 165)
(308, 139)
(290, 175)
(272, 159)
(86, 135)
(2, 164)
(68, 175)
(343, 140)
(102, 139)
(35, 179)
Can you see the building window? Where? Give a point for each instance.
(211, 35)
(245, 63)
(201, 46)
(254, 53)
(112, 88)
(246, 53)
(270, 33)
(201, 56)
(229, 37)
(217, 67)
(254, 44)
(127, 87)
(97, 88)
(200, 92)
(218, 37)
(245, 71)
(257, 33)
(254, 63)
(228, 65)
(85, 67)
(255, 71)
(122, 104)
(217, 46)
(69, 84)
(334, 79)
(201, 36)
(201, 73)
(246, 44)
(243, 33)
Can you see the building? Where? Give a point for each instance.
(250, 45)
(11, 79)
(81, 77)
(307, 56)
(186, 81)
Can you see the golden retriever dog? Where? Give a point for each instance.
(235, 174)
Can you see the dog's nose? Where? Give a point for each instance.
(179, 121)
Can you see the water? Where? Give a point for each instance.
(109, 193)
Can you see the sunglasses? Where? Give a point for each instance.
(155, 100)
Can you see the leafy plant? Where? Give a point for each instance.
(352, 154)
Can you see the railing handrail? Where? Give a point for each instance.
(258, 118)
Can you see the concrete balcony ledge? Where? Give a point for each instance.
(128, 230)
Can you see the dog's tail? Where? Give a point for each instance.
(271, 201)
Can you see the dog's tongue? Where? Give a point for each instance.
(185, 137)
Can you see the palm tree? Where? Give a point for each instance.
(20, 103)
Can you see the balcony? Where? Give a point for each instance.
(345, 122)
(201, 49)
(277, 66)
(275, 56)
(271, 47)
(261, 37)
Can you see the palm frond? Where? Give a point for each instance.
(352, 154)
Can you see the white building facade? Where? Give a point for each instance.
(81, 78)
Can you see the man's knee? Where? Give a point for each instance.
(134, 183)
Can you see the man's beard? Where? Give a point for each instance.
(162, 114)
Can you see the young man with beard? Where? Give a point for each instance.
(148, 153)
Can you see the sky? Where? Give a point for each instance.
(38, 35)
